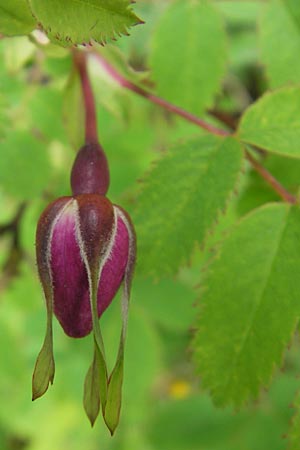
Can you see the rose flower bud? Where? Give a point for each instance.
(85, 248)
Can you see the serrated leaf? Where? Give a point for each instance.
(15, 18)
(77, 22)
(188, 54)
(73, 111)
(279, 30)
(273, 122)
(250, 304)
(181, 199)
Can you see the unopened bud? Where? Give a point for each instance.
(76, 239)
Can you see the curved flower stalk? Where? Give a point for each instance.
(85, 249)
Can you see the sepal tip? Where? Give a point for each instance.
(44, 370)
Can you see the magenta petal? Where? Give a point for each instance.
(69, 274)
(70, 281)
(114, 269)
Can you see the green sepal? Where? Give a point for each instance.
(44, 369)
(91, 397)
(95, 386)
(114, 392)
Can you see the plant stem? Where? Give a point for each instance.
(80, 62)
(268, 177)
(123, 82)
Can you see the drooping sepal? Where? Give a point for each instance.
(44, 370)
(91, 396)
(95, 234)
(95, 389)
(114, 391)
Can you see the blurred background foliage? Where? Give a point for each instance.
(163, 406)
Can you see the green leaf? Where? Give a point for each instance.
(273, 122)
(250, 304)
(181, 199)
(73, 110)
(188, 54)
(77, 22)
(15, 18)
(91, 397)
(24, 165)
(279, 30)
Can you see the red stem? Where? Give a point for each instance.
(123, 82)
(80, 61)
(268, 177)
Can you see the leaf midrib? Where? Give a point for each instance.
(257, 307)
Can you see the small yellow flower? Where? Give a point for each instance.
(180, 389)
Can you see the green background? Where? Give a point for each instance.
(164, 406)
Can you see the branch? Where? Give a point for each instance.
(123, 82)
(80, 62)
(127, 84)
(268, 177)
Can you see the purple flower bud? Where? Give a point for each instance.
(81, 239)
(85, 249)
